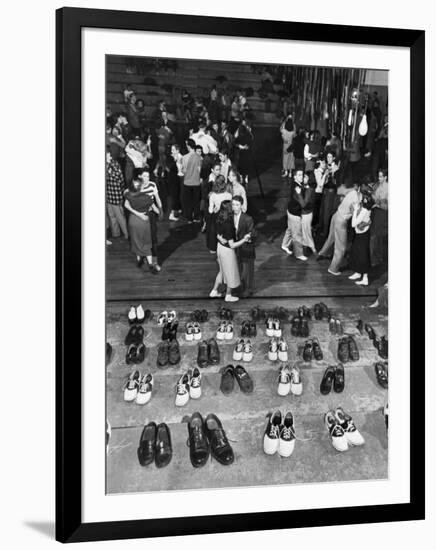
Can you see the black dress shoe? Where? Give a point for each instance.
(198, 443)
(109, 351)
(359, 326)
(147, 444)
(382, 347)
(204, 316)
(317, 351)
(134, 336)
(172, 334)
(166, 331)
(339, 381)
(295, 326)
(245, 329)
(304, 328)
(229, 314)
(370, 331)
(244, 380)
(213, 352)
(252, 330)
(307, 351)
(227, 380)
(162, 354)
(220, 447)
(317, 311)
(353, 350)
(381, 372)
(140, 354)
(163, 449)
(343, 350)
(327, 380)
(325, 311)
(131, 354)
(202, 360)
(173, 352)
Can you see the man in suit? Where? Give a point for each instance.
(246, 253)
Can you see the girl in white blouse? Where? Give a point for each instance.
(359, 260)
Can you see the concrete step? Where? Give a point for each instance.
(314, 459)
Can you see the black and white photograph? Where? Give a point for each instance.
(246, 274)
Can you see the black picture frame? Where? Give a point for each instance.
(69, 23)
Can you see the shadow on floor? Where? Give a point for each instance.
(46, 528)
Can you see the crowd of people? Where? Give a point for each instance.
(197, 172)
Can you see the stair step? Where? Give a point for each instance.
(314, 459)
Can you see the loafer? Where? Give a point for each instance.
(202, 355)
(163, 449)
(173, 352)
(327, 380)
(227, 380)
(182, 391)
(213, 352)
(147, 444)
(296, 383)
(131, 386)
(370, 331)
(145, 390)
(243, 379)
(336, 432)
(339, 380)
(343, 350)
(140, 354)
(317, 351)
(354, 437)
(381, 372)
(199, 450)
(287, 436)
(271, 437)
(194, 376)
(284, 385)
(220, 447)
(162, 354)
(353, 350)
(238, 351)
(308, 351)
(134, 336)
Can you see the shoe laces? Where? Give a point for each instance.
(181, 388)
(274, 431)
(288, 433)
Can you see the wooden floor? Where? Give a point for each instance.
(189, 270)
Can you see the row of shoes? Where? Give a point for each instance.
(225, 331)
(207, 437)
(300, 326)
(248, 329)
(304, 312)
(289, 381)
(138, 388)
(278, 350)
(192, 331)
(321, 312)
(333, 377)
(258, 314)
(166, 317)
(279, 436)
(208, 353)
(228, 376)
(312, 350)
(137, 314)
(168, 353)
(169, 330)
(381, 344)
(335, 326)
(155, 445)
(225, 314)
(273, 327)
(199, 316)
(347, 349)
(243, 351)
(381, 372)
(342, 430)
(188, 387)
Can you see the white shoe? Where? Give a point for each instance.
(140, 315)
(248, 352)
(230, 298)
(221, 332)
(289, 252)
(163, 318)
(354, 437)
(302, 258)
(277, 331)
(283, 351)
(228, 335)
(284, 386)
(273, 353)
(182, 390)
(189, 332)
(337, 434)
(171, 316)
(335, 273)
(132, 314)
(296, 383)
(131, 386)
(354, 276)
(269, 327)
(196, 331)
(215, 294)
(194, 383)
(271, 438)
(363, 281)
(172, 217)
(145, 389)
(287, 436)
(238, 352)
